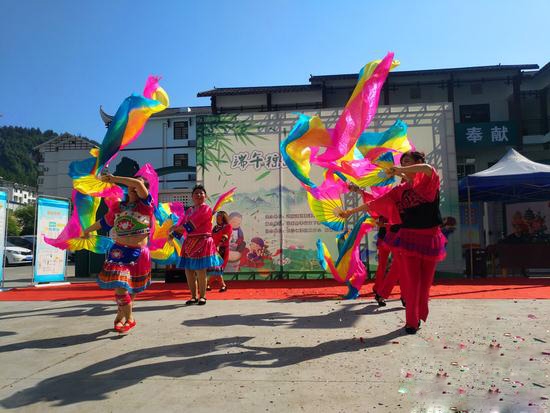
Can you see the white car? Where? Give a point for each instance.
(17, 255)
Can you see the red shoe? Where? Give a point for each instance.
(128, 325)
(119, 326)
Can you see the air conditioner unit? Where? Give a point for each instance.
(192, 143)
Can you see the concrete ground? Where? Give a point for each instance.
(275, 356)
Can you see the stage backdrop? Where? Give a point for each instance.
(274, 229)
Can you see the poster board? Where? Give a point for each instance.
(3, 231)
(52, 214)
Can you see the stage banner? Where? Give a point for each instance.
(52, 214)
(3, 230)
(273, 227)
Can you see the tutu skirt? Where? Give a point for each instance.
(426, 243)
(126, 267)
(198, 253)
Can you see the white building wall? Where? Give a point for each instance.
(157, 146)
(55, 180)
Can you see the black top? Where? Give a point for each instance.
(418, 213)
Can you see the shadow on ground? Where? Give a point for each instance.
(189, 359)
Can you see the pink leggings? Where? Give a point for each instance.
(417, 275)
(392, 277)
(383, 255)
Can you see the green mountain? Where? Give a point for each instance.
(18, 159)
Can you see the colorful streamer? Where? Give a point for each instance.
(224, 199)
(125, 127)
(348, 267)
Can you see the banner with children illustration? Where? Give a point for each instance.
(527, 222)
(273, 227)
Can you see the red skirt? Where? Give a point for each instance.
(426, 243)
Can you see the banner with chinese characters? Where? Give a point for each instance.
(273, 227)
(3, 230)
(471, 135)
(51, 217)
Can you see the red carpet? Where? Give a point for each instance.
(487, 288)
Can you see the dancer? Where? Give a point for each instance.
(420, 244)
(385, 279)
(389, 279)
(127, 269)
(220, 234)
(383, 251)
(198, 251)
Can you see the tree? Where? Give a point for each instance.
(25, 216)
(13, 225)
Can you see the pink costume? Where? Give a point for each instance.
(221, 235)
(199, 251)
(384, 287)
(419, 244)
(384, 281)
(128, 267)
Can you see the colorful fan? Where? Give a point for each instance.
(94, 243)
(325, 202)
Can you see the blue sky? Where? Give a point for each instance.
(61, 59)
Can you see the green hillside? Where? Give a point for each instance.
(18, 160)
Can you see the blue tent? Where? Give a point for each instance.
(512, 179)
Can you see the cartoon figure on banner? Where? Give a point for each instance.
(237, 243)
(257, 253)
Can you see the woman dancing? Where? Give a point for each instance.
(127, 269)
(419, 242)
(221, 234)
(198, 251)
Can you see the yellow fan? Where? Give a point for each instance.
(326, 211)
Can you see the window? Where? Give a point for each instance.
(181, 130)
(181, 159)
(475, 113)
(415, 93)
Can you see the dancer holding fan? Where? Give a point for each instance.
(415, 204)
(127, 269)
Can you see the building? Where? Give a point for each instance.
(55, 156)
(18, 194)
(495, 107)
